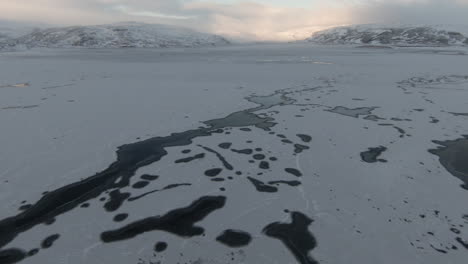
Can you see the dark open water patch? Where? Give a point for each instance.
(234, 238)
(120, 217)
(243, 151)
(458, 114)
(242, 118)
(116, 199)
(373, 118)
(19, 107)
(453, 155)
(352, 112)
(295, 236)
(223, 160)
(305, 138)
(190, 159)
(225, 145)
(13, 255)
(49, 241)
(400, 119)
(434, 120)
(290, 183)
(399, 129)
(140, 184)
(213, 172)
(299, 148)
(148, 177)
(49, 221)
(372, 154)
(259, 157)
(439, 250)
(217, 179)
(462, 242)
(160, 246)
(168, 187)
(175, 185)
(293, 171)
(179, 222)
(25, 207)
(261, 186)
(264, 165)
(465, 217)
(33, 252)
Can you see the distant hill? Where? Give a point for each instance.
(122, 35)
(387, 35)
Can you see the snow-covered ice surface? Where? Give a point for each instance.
(251, 154)
(434, 35)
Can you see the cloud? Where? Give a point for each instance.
(254, 19)
(264, 22)
(413, 12)
(55, 11)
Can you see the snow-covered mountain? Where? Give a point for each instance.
(120, 35)
(388, 35)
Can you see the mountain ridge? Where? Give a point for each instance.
(422, 35)
(119, 35)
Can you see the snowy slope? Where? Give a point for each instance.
(120, 35)
(390, 35)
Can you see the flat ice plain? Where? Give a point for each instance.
(290, 153)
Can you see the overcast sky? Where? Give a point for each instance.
(254, 19)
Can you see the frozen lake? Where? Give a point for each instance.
(253, 154)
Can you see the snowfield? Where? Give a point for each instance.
(121, 35)
(256, 154)
(386, 35)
